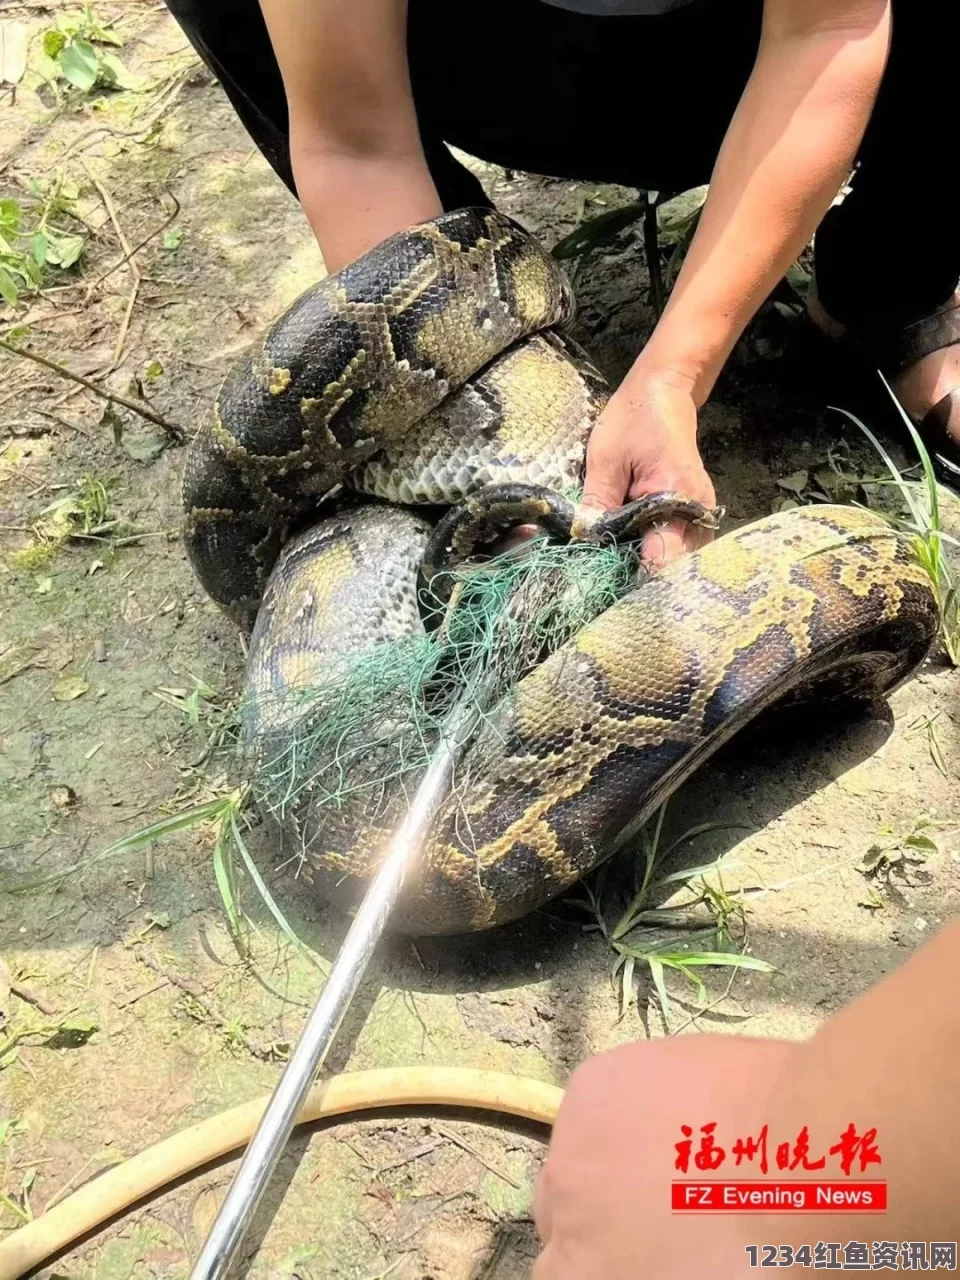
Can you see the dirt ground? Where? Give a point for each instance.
(132, 1013)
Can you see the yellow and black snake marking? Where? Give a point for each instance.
(357, 362)
(425, 371)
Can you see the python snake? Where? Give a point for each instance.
(429, 370)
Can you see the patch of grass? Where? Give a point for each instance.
(91, 505)
(83, 515)
(214, 720)
(727, 909)
(226, 817)
(927, 725)
(36, 558)
(674, 938)
(922, 526)
(234, 1034)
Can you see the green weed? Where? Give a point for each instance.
(190, 702)
(64, 1033)
(35, 558)
(672, 938)
(90, 506)
(34, 243)
(19, 1203)
(226, 816)
(83, 515)
(215, 721)
(78, 51)
(10, 1129)
(922, 526)
(900, 855)
(234, 1034)
(927, 725)
(16, 1202)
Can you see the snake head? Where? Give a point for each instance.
(633, 519)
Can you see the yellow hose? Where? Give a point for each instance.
(143, 1174)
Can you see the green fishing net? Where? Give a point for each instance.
(371, 722)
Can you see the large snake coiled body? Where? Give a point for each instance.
(427, 370)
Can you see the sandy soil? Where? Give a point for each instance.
(94, 746)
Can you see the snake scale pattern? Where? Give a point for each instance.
(432, 367)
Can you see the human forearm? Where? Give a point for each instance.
(789, 147)
(354, 138)
(354, 202)
(889, 1061)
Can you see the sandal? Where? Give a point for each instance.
(891, 355)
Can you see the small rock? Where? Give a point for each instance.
(145, 446)
(63, 797)
(99, 650)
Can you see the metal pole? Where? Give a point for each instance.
(267, 1144)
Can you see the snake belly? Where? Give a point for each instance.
(428, 369)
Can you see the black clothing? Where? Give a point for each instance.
(645, 101)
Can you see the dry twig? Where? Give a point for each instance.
(129, 259)
(173, 431)
(137, 247)
(28, 996)
(477, 1155)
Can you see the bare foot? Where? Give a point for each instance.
(918, 387)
